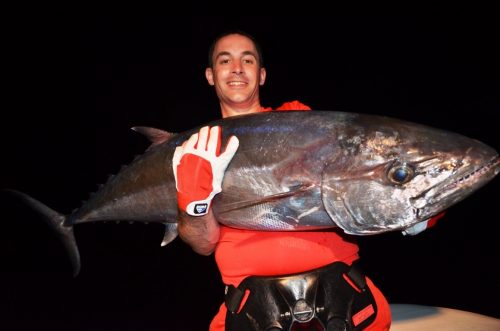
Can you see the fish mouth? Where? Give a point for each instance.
(457, 187)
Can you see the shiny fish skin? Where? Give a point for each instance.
(299, 171)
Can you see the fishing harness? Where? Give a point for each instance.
(331, 298)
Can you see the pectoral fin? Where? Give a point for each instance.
(170, 233)
(294, 190)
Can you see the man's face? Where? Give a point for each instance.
(236, 72)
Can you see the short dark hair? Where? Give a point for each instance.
(242, 33)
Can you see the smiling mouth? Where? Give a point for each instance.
(237, 84)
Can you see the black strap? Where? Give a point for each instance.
(233, 298)
(356, 276)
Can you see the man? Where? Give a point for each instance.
(252, 263)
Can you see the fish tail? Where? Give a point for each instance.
(58, 223)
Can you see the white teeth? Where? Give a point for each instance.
(236, 83)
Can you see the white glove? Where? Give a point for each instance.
(199, 169)
(422, 226)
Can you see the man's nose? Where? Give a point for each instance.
(237, 68)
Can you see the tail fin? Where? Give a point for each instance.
(57, 222)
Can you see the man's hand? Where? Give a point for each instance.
(199, 169)
(422, 226)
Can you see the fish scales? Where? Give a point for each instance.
(297, 171)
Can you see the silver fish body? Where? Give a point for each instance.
(296, 171)
(366, 174)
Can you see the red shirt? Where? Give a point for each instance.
(243, 253)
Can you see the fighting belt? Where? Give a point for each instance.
(318, 300)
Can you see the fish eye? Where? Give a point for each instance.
(400, 173)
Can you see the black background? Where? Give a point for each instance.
(74, 86)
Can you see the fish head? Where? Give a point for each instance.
(391, 175)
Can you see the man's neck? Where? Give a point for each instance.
(228, 110)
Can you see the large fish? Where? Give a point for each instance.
(299, 171)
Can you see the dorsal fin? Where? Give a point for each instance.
(156, 136)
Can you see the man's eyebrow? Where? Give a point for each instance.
(226, 53)
(222, 53)
(250, 53)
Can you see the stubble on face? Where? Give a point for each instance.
(236, 74)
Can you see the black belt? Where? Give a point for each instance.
(321, 299)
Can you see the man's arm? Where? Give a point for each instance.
(199, 232)
(199, 169)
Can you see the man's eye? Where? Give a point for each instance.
(248, 61)
(225, 61)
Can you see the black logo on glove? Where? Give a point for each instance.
(200, 208)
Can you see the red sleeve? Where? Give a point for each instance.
(293, 105)
(433, 220)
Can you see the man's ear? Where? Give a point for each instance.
(209, 75)
(262, 76)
